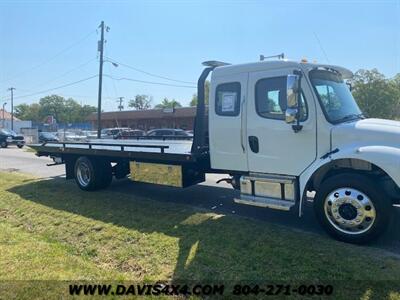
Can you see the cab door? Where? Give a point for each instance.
(227, 122)
(273, 146)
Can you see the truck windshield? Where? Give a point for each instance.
(335, 97)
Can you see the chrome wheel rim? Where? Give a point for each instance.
(83, 174)
(349, 210)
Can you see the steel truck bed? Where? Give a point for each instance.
(168, 151)
(168, 162)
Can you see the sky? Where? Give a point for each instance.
(50, 44)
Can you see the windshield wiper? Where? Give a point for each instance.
(351, 117)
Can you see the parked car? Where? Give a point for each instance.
(90, 134)
(45, 137)
(168, 132)
(9, 137)
(129, 134)
(110, 133)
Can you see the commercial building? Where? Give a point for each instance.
(147, 119)
(5, 122)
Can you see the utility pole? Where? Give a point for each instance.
(120, 106)
(11, 89)
(4, 120)
(100, 48)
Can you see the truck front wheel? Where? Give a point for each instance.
(352, 208)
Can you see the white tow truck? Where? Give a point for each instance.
(280, 129)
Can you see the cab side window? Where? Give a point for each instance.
(270, 95)
(227, 99)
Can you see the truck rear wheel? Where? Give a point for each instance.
(3, 144)
(352, 208)
(92, 174)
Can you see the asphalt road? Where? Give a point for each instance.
(208, 195)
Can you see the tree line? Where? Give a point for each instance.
(63, 110)
(376, 95)
(70, 111)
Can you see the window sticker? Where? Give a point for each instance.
(228, 102)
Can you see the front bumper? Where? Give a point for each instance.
(16, 142)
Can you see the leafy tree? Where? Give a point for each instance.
(28, 112)
(193, 102)
(168, 104)
(63, 110)
(85, 111)
(53, 105)
(141, 102)
(72, 111)
(396, 83)
(377, 96)
(396, 80)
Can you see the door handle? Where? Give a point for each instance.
(253, 143)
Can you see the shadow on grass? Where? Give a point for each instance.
(215, 247)
(150, 217)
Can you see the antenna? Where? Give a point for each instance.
(279, 56)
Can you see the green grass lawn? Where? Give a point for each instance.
(50, 230)
(28, 149)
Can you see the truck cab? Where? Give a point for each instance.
(284, 128)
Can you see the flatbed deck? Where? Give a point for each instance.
(141, 149)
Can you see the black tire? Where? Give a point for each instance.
(3, 144)
(359, 187)
(20, 146)
(87, 174)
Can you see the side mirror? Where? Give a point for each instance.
(292, 92)
(291, 115)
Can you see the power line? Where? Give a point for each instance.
(148, 73)
(7, 97)
(51, 58)
(56, 88)
(110, 71)
(77, 96)
(66, 73)
(149, 82)
(113, 82)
